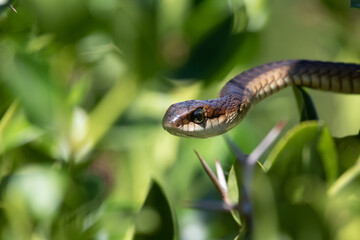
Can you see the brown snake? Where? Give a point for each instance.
(207, 118)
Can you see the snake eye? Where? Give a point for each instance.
(198, 116)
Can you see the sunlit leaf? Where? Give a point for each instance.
(15, 130)
(106, 112)
(40, 42)
(8, 116)
(19, 132)
(307, 148)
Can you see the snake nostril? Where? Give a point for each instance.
(176, 123)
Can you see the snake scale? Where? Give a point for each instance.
(207, 118)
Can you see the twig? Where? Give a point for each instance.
(12, 7)
(266, 142)
(220, 175)
(216, 182)
(222, 181)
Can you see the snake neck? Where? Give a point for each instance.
(241, 104)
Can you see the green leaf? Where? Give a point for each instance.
(111, 106)
(156, 219)
(15, 130)
(327, 153)
(301, 167)
(305, 104)
(234, 180)
(345, 179)
(41, 97)
(305, 149)
(348, 149)
(7, 118)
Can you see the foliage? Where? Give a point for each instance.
(83, 87)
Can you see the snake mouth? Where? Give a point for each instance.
(191, 129)
(180, 133)
(175, 128)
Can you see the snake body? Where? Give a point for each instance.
(207, 118)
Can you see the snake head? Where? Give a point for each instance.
(203, 119)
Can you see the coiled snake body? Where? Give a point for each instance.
(207, 118)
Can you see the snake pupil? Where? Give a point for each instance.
(198, 116)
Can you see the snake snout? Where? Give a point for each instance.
(171, 123)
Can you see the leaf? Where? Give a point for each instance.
(8, 116)
(42, 98)
(345, 179)
(305, 149)
(111, 106)
(156, 219)
(234, 180)
(305, 104)
(15, 130)
(300, 168)
(326, 149)
(348, 149)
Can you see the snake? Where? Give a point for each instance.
(208, 118)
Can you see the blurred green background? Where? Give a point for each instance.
(84, 86)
